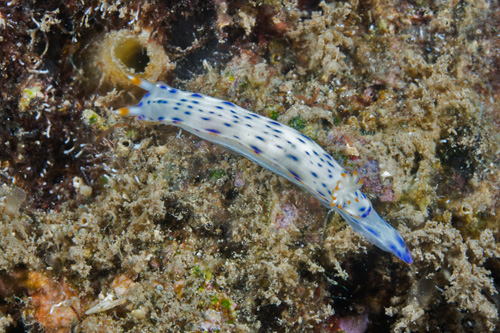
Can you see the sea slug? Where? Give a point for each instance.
(273, 145)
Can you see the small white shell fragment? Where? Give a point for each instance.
(350, 150)
(386, 174)
(82, 188)
(139, 313)
(11, 200)
(106, 304)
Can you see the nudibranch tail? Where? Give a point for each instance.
(274, 146)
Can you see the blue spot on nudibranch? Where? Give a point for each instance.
(278, 146)
(260, 138)
(212, 130)
(232, 111)
(163, 87)
(205, 118)
(147, 95)
(400, 241)
(176, 108)
(187, 112)
(274, 123)
(305, 136)
(228, 103)
(293, 157)
(183, 100)
(177, 103)
(315, 175)
(328, 156)
(372, 231)
(161, 118)
(219, 107)
(254, 115)
(330, 164)
(248, 117)
(301, 140)
(141, 117)
(140, 104)
(196, 95)
(228, 124)
(190, 106)
(248, 125)
(367, 212)
(256, 150)
(393, 248)
(176, 120)
(236, 137)
(323, 184)
(296, 176)
(172, 91)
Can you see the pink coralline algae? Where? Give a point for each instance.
(286, 216)
(370, 173)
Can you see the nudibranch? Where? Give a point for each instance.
(274, 146)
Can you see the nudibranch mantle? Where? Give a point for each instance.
(276, 147)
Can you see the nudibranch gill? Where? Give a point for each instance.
(274, 146)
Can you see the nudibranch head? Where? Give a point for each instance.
(347, 197)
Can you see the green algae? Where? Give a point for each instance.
(297, 123)
(217, 174)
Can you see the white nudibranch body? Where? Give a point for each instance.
(273, 145)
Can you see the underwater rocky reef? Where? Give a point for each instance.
(108, 224)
